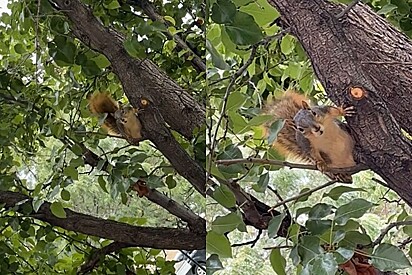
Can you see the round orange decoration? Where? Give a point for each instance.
(357, 93)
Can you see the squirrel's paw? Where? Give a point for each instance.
(348, 111)
(321, 166)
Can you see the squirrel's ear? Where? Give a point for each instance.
(305, 105)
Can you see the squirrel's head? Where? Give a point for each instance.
(309, 121)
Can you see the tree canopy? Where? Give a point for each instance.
(75, 200)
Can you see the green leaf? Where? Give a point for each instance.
(223, 11)
(169, 46)
(170, 182)
(309, 248)
(277, 261)
(77, 150)
(342, 255)
(90, 68)
(112, 5)
(325, 265)
(223, 224)
(387, 257)
(217, 59)
(65, 51)
(133, 47)
(259, 120)
(57, 130)
(102, 183)
(19, 48)
(57, 209)
(262, 183)
(338, 236)
(287, 45)
(213, 264)
(320, 211)
(262, 12)
(244, 30)
(274, 130)
(170, 19)
(71, 172)
(101, 61)
(235, 100)
(65, 195)
(336, 192)
(218, 244)
(318, 227)
(387, 9)
(224, 196)
(303, 198)
(37, 202)
(354, 238)
(353, 209)
(274, 225)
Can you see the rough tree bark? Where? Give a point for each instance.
(361, 49)
(154, 237)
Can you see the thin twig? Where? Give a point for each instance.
(252, 242)
(225, 99)
(278, 247)
(347, 9)
(99, 254)
(352, 170)
(329, 183)
(403, 244)
(385, 231)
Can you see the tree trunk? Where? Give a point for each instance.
(361, 49)
(142, 79)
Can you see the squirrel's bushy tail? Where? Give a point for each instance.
(286, 108)
(102, 103)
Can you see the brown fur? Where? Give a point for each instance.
(121, 121)
(314, 135)
(286, 108)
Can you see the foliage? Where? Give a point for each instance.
(328, 227)
(46, 78)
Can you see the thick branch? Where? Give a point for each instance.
(362, 36)
(143, 79)
(161, 238)
(140, 78)
(196, 223)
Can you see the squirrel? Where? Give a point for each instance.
(313, 134)
(120, 120)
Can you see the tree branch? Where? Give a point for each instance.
(351, 170)
(143, 79)
(99, 254)
(385, 231)
(160, 238)
(140, 78)
(150, 11)
(381, 114)
(329, 183)
(195, 223)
